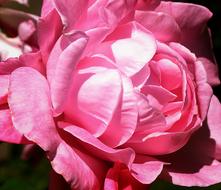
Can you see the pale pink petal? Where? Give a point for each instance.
(140, 78)
(124, 120)
(150, 119)
(158, 95)
(136, 49)
(101, 91)
(62, 79)
(214, 123)
(94, 99)
(30, 107)
(8, 132)
(78, 168)
(96, 147)
(171, 30)
(209, 174)
(48, 33)
(96, 36)
(4, 83)
(146, 172)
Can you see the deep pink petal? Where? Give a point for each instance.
(120, 178)
(194, 164)
(204, 90)
(159, 143)
(34, 60)
(171, 30)
(124, 120)
(4, 83)
(70, 10)
(8, 132)
(96, 147)
(8, 66)
(30, 107)
(195, 34)
(214, 123)
(78, 168)
(48, 33)
(211, 71)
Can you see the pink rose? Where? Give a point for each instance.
(118, 92)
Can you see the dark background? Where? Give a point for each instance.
(33, 173)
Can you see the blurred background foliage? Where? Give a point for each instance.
(17, 173)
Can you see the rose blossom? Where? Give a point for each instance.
(120, 94)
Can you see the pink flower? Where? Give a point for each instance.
(119, 91)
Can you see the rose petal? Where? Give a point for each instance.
(146, 172)
(204, 90)
(214, 123)
(8, 132)
(159, 143)
(70, 10)
(171, 30)
(124, 120)
(150, 119)
(4, 83)
(195, 34)
(96, 146)
(194, 164)
(211, 71)
(78, 168)
(91, 91)
(6, 67)
(62, 79)
(133, 53)
(30, 107)
(49, 30)
(119, 178)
